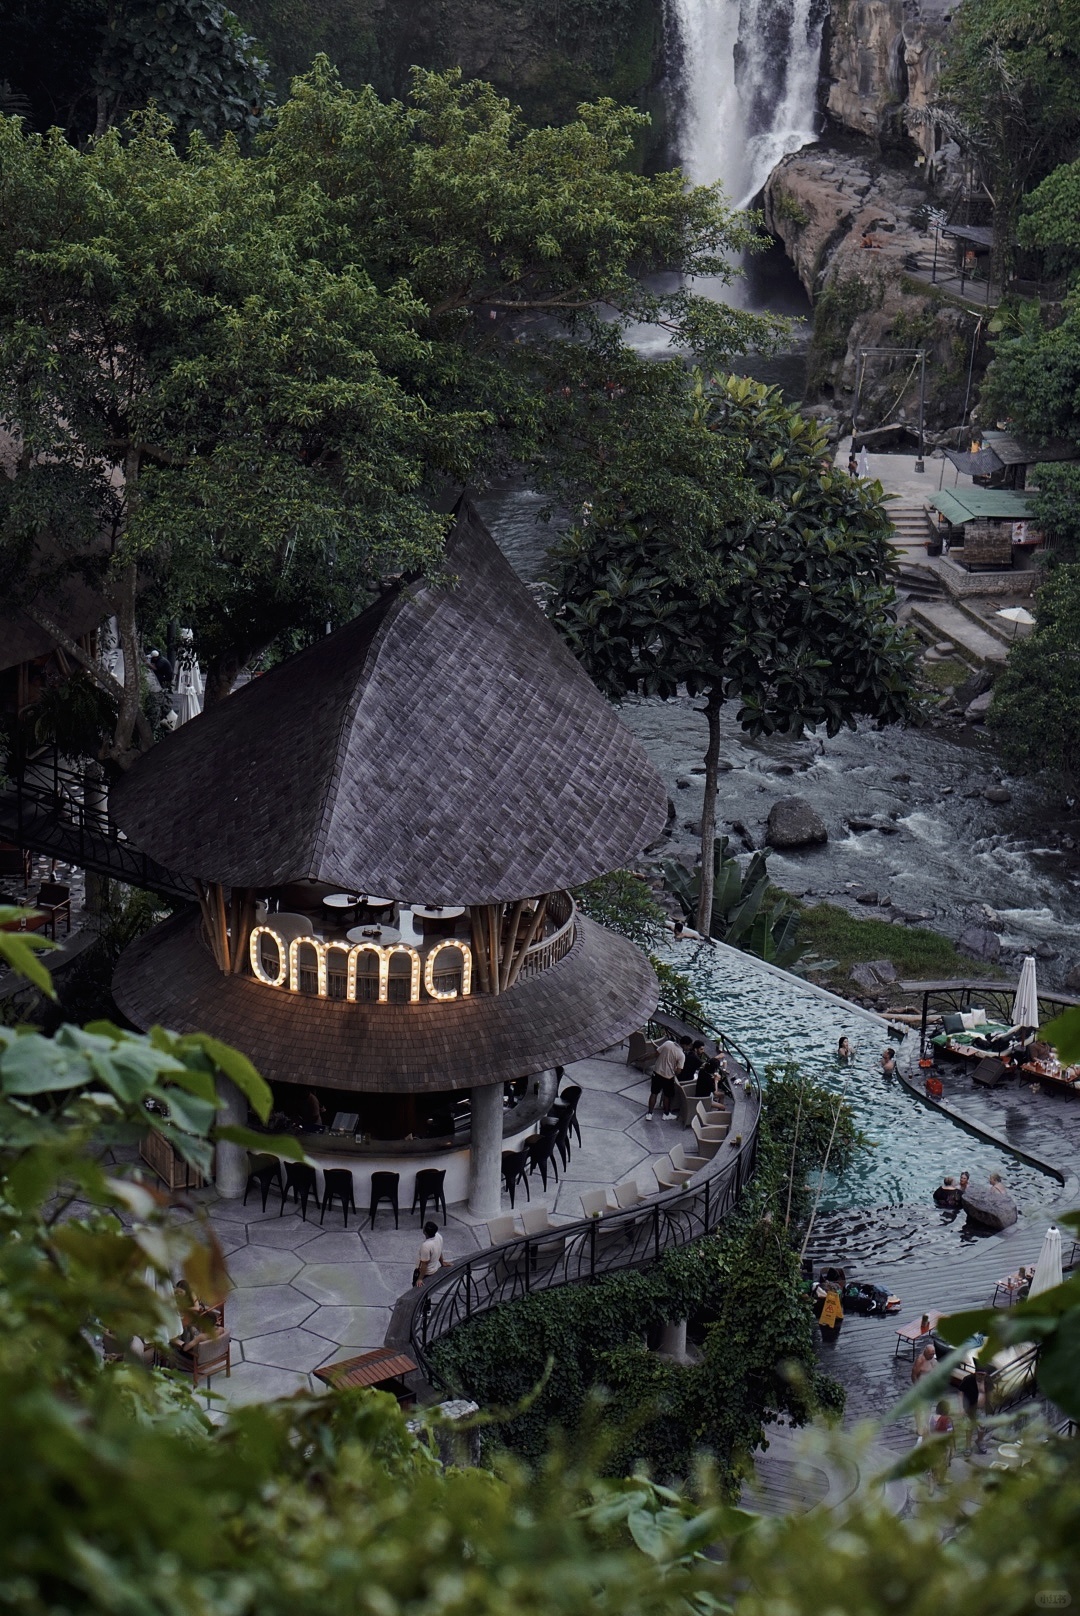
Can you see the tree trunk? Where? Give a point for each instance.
(220, 678)
(712, 708)
(130, 717)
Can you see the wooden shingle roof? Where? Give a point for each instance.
(444, 747)
(602, 989)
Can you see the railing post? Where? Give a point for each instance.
(528, 1266)
(468, 1289)
(708, 1225)
(592, 1248)
(656, 1229)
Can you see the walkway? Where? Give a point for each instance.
(306, 1296)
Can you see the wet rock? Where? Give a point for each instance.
(902, 779)
(945, 648)
(693, 826)
(743, 834)
(980, 943)
(1045, 952)
(976, 711)
(997, 794)
(874, 975)
(976, 685)
(682, 782)
(946, 790)
(883, 969)
(781, 768)
(990, 1208)
(723, 766)
(697, 768)
(793, 822)
(1072, 978)
(1068, 843)
(858, 822)
(869, 898)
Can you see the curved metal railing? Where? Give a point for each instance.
(562, 911)
(580, 1252)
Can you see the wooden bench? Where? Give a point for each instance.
(383, 1369)
(913, 1335)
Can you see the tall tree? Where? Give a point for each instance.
(84, 65)
(785, 605)
(1012, 86)
(1036, 708)
(236, 381)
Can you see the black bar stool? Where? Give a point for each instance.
(515, 1172)
(429, 1187)
(541, 1148)
(300, 1183)
(384, 1187)
(265, 1171)
(338, 1183)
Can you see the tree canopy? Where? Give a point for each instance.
(237, 382)
(84, 65)
(1036, 709)
(779, 598)
(119, 1496)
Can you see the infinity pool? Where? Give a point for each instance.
(776, 1017)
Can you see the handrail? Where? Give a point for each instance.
(687, 1024)
(583, 1251)
(540, 956)
(59, 813)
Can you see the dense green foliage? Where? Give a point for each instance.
(849, 940)
(746, 911)
(1036, 710)
(622, 901)
(241, 381)
(776, 593)
(119, 1498)
(742, 1286)
(82, 65)
(1012, 81)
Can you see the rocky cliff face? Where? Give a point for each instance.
(546, 57)
(884, 59)
(856, 232)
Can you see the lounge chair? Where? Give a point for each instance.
(594, 1203)
(685, 1163)
(502, 1229)
(628, 1194)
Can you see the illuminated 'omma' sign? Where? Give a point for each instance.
(289, 968)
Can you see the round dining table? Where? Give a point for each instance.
(373, 934)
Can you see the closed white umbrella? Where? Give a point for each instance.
(864, 462)
(1048, 1268)
(1026, 1003)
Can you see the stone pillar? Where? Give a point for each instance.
(231, 1161)
(673, 1343)
(485, 1152)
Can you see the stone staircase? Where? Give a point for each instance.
(909, 524)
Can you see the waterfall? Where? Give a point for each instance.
(749, 81)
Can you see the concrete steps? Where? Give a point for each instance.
(944, 620)
(919, 583)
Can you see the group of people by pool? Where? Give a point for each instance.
(846, 1052)
(685, 1061)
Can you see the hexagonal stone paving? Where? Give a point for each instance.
(261, 1308)
(358, 1284)
(286, 1349)
(264, 1265)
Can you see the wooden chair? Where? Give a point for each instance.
(53, 898)
(208, 1357)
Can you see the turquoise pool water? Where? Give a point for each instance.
(774, 1018)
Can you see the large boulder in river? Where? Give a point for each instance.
(988, 1207)
(980, 943)
(793, 823)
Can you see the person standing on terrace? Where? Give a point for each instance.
(669, 1063)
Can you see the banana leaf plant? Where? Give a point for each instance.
(740, 914)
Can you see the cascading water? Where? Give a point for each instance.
(749, 72)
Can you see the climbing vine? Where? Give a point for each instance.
(586, 1347)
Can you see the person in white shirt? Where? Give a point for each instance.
(430, 1258)
(668, 1065)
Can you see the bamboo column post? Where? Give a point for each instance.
(527, 941)
(478, 925)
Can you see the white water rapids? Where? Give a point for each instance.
(749, 81)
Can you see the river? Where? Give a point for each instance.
(951, 854)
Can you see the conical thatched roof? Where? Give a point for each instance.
(596, 994)
(445, 747)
